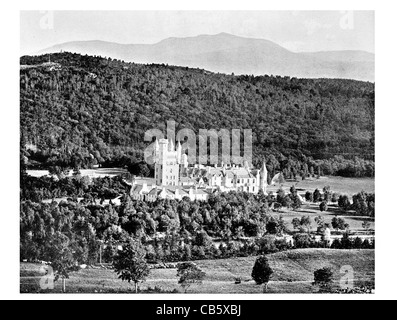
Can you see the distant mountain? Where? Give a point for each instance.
(227, 53)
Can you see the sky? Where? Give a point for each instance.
(298, 31)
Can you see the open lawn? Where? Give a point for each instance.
(312, 210)
(341, 185)
(293, 273)
(94, 173)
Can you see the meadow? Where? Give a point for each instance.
(341, 185)
(293, 273)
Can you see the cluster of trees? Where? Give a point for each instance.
(326, 196)
(227, 225)
(131, 265)
(37, 189)
(162, 225)
(347, 242)
(93, 110)
(304, 240)
(363, 203)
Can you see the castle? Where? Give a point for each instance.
(175, 178)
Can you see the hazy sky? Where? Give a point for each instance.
(295, 30)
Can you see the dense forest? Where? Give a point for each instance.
(242, 223)
(78, 111)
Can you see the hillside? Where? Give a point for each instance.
(227, 53)
(82, 110)
(293, 273)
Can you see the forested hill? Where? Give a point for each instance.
(81, 110)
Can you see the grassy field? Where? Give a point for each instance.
(340, 185)
(293, 273)
(312, 210)
(348, 186)
(95, 173)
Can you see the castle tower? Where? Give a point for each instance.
(184, 161)
(263, 177)
(179, 153)
(171, 146)
(166, 169)
(246, 165)
(156, 151)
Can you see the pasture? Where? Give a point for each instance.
(293, 273)
(341, 185)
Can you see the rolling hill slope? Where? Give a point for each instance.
(293, 273)
(85, 110)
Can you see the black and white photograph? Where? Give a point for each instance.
(198, 153)
(208, 162)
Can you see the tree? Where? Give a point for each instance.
(271, 227)
(302, 223)
(323, 278)
(296, 223)
(343, 202)
(339, 223)
(189, 273)
(334, 197)
(345, 242)
(309, 196)
(364, 203)
(323, 206)
(320, 222)
(59, 171)
(276, 225)
(130, 263)
(292, 190)
(306, 222)
(61, 256)
(302, 240)
(140, 169)
(261, 272)
(316, 195)
(296, 202)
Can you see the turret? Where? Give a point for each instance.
(184, 160)
(246, 165)
(263, 174)
(178, 152)
(156, 150)
(171, 146)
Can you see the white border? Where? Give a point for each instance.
(385, 145)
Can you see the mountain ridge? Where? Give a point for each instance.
(227, 53)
